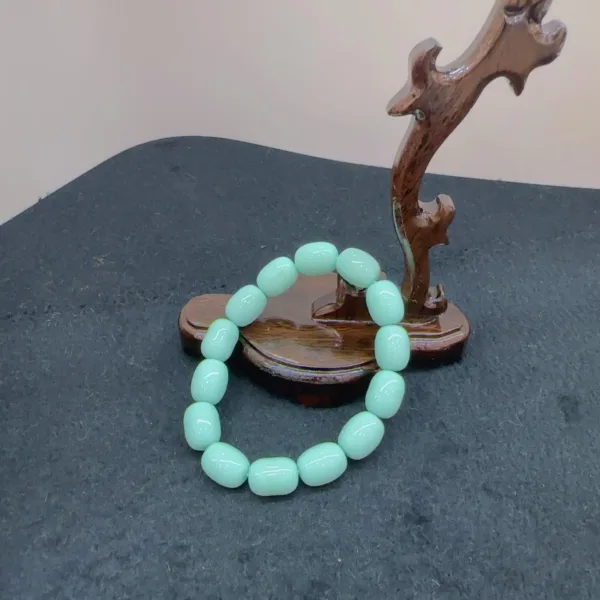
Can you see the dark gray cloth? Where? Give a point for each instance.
(486, 485)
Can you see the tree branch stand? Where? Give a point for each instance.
(315, 342)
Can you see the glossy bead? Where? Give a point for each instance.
(209, 382)
(201, 425)
(385, 394)
(220, 339)
(274, 476)
(392, 348)
(358, 268)
(385, 303)
(225, 465)
(316, 258)
(277, 276)
(322, 464)
(361, 435)
(246, 305)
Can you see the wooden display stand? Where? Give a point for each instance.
(316, 340)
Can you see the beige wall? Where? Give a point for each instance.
(85, 79)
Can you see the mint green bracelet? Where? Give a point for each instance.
(360, 436)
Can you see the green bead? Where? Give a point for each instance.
(201, 425)
(358, 268)
(316, 258)
(220, 339)
(245, 306)
(209, 382)
(385, 394)
(225, 465)
(392, 348)
(277, 277)
(322, 464)
(385, 303)
(276, 476)
(361, 435)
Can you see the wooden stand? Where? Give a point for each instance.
(315, 342)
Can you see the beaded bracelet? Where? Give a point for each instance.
(361, 435)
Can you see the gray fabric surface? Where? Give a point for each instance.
(485, 486)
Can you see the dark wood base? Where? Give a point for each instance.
(316, 345)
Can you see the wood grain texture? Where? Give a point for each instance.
(312, 335)
(318, 337)
(512, 43)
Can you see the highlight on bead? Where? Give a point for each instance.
(361, 435)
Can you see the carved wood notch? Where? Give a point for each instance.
(512, 43)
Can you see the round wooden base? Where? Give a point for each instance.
(308, 350)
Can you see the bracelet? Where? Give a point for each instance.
(360, 436)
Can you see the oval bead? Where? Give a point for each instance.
(392, 348)
(316, 258)
(385, 394)
(385, 303)
(322, 464)
(225, 465)
(277, 276)
(358, 268)
(273, 476)
(201, 425)
(209, 382)
(220, 339)
(361, 435)
(246, 305)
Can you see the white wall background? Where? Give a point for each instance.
(85, 79)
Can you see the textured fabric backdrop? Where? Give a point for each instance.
(486, 485)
